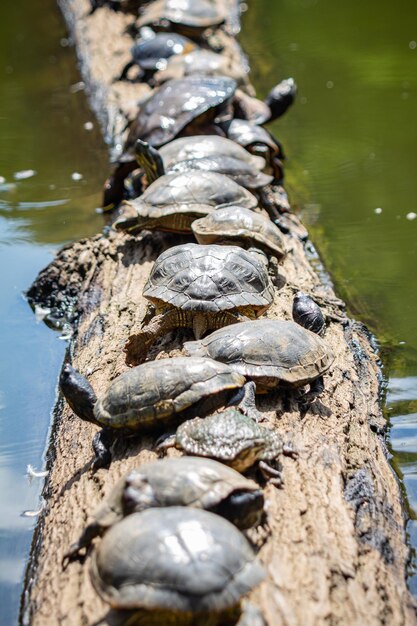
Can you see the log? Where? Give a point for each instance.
(335, 551)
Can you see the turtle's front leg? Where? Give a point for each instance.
(272, 474)
(137, 346)
(244, 399)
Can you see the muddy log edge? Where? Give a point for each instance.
(335, 551)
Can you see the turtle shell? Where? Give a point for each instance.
(157, 391)
(209, 279)
(267, 351)
(200, 146)
(183, 481)
(174, 201)
(192, 14)
(175, 558)
(238, 224)
(239, 171)
(152, 53)
(248, 134)
(176, 104)
(202, 62)
(230, 437)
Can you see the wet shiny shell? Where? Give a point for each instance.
(268, 351)
(174, 201)
(174, 558)
(184, 481)
(197, 14)
(239, 171)
(236, 223)
(203, 62)
(152, 53)
(246, 134)
(230, 437)
(209, 279)
(202, 146)
(177, 103)
(154, 392)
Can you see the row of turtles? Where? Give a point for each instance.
(196, 161)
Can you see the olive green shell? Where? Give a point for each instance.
(184, 481)
(175, 558)
(200, 146)
(267, 351)
(236, 224)
(209, 279)
(174, 201)
(194, 14)
(230, 437)
(155, 392)
(176, 104)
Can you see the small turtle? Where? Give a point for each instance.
(202, 287)
(202, 62)
(201, 146)
(176, 566)
(234, 439)
(308, 314)
(258, 141)
(174, 201)
(185, 481)
(270, 352)
(278, 100)
(242, 172)
(189, 17)
(151, 53)
(149, 396)
(191, 102)
(239, 226)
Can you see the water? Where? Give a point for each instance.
(41, 129)
(351, 140)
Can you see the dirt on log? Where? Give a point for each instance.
(335, 550)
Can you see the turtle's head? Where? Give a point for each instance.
(149, 160)
(281, 97)
(138, 494)
(78, 393)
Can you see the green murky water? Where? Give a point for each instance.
(351, 141)
(351, 145)
(42, 129)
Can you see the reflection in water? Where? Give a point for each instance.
(351, 143)
(46, 136)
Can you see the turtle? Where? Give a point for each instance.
(177, 566)
(202, 62)
(174, 201)
(234, 439)
(202, 287)
(149, 396)
(188, 17)
(117, 5)
(242, 172)
(200, 146)
(152, 51)
(269, 352)
(184, 481)
(307, 313)
(239, 226)
(278, 100)
(190, 103)
(257, 140)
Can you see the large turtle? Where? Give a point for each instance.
(241, 171)
(192, 102)
(234, 439)
(185, 481)
(174, 201)
(176, 566)
(202, 287)
(239, 226)
(189, 17)
(269, 352)
(149, 396)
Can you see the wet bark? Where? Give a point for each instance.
(335, 551)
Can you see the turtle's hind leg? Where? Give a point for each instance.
(137, 346)
(101, 445)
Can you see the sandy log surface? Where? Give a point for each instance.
(335, 553)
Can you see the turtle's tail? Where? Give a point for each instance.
(78, 393)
